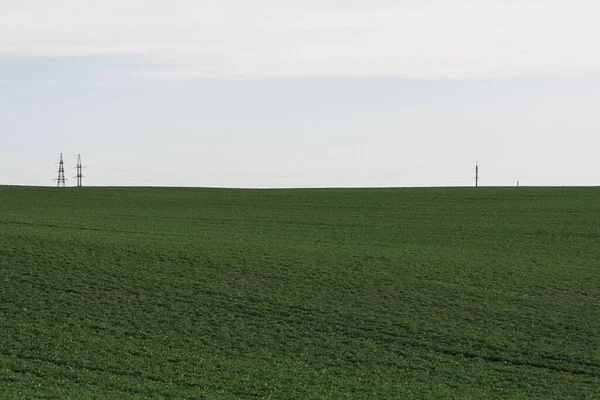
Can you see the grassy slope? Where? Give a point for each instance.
(142, 292)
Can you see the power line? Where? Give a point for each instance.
(25, 172)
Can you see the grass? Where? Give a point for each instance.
(330, 293)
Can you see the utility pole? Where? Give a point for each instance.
(476, 174)
(60, 182)
(79, 172)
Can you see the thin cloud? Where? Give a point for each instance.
(268, 38)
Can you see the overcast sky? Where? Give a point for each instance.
(306, 93)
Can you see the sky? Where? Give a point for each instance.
(325, 93)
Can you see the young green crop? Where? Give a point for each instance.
(308, 293)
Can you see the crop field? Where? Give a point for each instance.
(299, 294)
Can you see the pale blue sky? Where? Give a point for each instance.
(325, 94)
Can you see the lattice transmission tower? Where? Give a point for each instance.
(79, 171)
(61, 181)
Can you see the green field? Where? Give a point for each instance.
(311, 293)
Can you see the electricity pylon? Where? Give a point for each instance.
(79, 171)
(61, 181)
